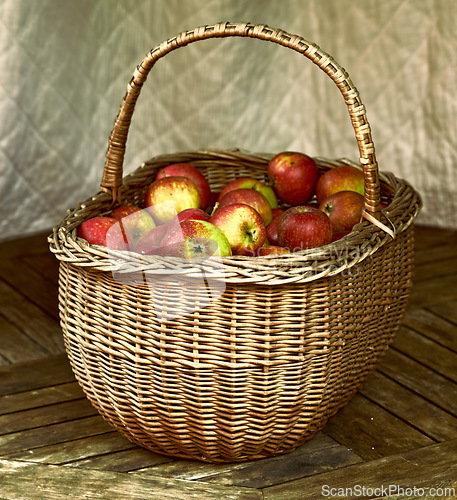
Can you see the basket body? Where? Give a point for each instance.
(255, 373)
(260, 367)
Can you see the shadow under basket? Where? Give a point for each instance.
(233, 358)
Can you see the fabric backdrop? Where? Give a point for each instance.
(65, 64)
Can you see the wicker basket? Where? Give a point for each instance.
(288, 341)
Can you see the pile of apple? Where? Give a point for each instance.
(182, 217)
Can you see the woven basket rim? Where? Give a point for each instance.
(306, 265)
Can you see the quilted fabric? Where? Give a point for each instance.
(65, 64)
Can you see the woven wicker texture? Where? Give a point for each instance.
(288, 340)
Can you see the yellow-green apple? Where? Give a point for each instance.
(250, 183)
(304, 227)
(192, 173)
(134, 222)
(193, 239)
(150, 242)
(293, 176)
(250, 197)
(95, 231)
(243, 227)
(189, 214)
(168, 196)
(342, 178)
(271, 250)
(344, 209)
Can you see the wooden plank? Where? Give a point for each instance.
(45, 415)
(372, 432)
(446, 310)
(317, 455)
(40, 397)
(45, 264)
(52, 434)
(20, 377)
(35, 243)
(426, 351)
(427, 237)
(433, 327)
(405, 404)
(433, 291)
(426, 256)
(31, 285)
(15, 346)
(423, 381)
(44, 330)
(78, 449)
(4, 361)
(123, 461)
(423, 468)
(50, 482)
(436, 268)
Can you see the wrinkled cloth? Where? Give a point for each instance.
(65, 64)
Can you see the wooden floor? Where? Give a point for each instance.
(399, 431)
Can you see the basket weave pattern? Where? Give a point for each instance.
(261, 368)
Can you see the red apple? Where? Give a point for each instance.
(338, 236)
(304, 227)
(342, 178)
(195, 239)
(243, 227)
(250, 183)
(271, 250)
(134, 222)
(293, 176)
(104, 231)
(150, 242)
(250, 197)
(187, 170)
(276, 211)
(344, 209)
(272, 230)
(213, 197)
(194, 214)
(168, 196)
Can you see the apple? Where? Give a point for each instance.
(213, 197)
(104, 231)
(194, 214)
(250, 183)
(342, 178)
(250, 197)
(149, 243)
(243, 227)
(168, 196)
(304, 227)
(272, 230)
(277, 211)
(293, 176)
(195, 239)
(134, 222)
(344, 209)
(271, 250)
(338, 236)
(187, 170)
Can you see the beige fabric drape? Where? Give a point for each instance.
(65, 64)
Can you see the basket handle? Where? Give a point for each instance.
(112, 175)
